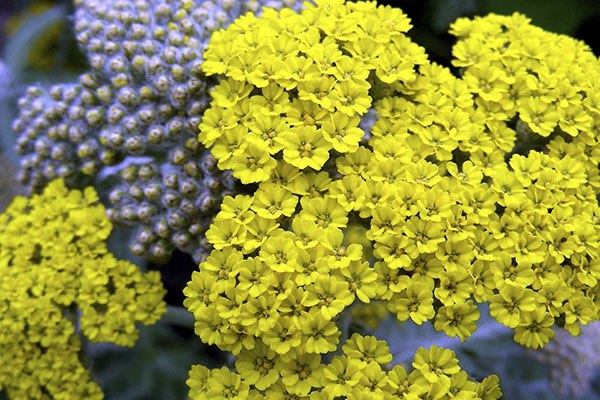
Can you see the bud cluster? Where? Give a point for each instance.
(172, 202)
(144, 96)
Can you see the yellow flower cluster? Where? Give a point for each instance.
(362, 372)
(449, 221)
(58, 279)
(298, 83)
(548, 81)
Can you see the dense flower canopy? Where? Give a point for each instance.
(57, 279)
(472, 188)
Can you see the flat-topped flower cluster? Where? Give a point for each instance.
(456, 212)
(57, 279)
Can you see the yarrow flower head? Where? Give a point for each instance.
(58, 280)
(276, 286)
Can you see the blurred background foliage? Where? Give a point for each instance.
(37, 46)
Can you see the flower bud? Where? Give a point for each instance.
(116, 196)
(160, 249)
(138, 248)
(176, 219)
(178, 156)
(130, 48)
(116, 114)
(162, 84)
(182, 239)
(153, 191)
(187, 187)
(148, 47)
(59, 152)
(128, 213)
(146, 235)
(117, 64)
(188, 207)
(191, 169)
(196, 229)
(136, 192)
(162, 229)
(169, 55)
(128, 97)
(129, 174)
(147, 115)
(174, 128)
(111, 48)
(138, 31)
(95, 116)
(146, 172)
(165, 111)
(171, 199)
(145, 212)
(138, 64)
(109, 157)
(131, 123)
(90, 167)
(155, 135)
(134, 144)
(170, 180)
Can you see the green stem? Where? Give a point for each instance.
(179, 316)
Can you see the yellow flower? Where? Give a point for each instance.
(332, 295)
(226, 233)
(254, 165)
(435, 364)
(339, 375)
(276, 252)
(352, 98)
(274, 203)
(415, 303)
(266, 130)
(534, 330)
(322, 334)
(224, 384)
(324, 212)
(257, 366)
(304, 147)
(342, 132)
(513, 299)
(538, 115)
(361, 279)
(457, 320)
(301, 374)
(366, 349)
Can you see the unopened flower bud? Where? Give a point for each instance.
(182, 239)
(170, 180)
(128, 213)
(129, 174)
(176, 219)
(162, 229)
(160, 249)
(146, 172)
(146, 235)
(134, 144)
(116, 196)
(156, 135)
(138, 248)
(178, 156)
(153, 191)
(135, 191)
(145, 212)
(187, 187)
(171, 199)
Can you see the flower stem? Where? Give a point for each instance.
(178, 316)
